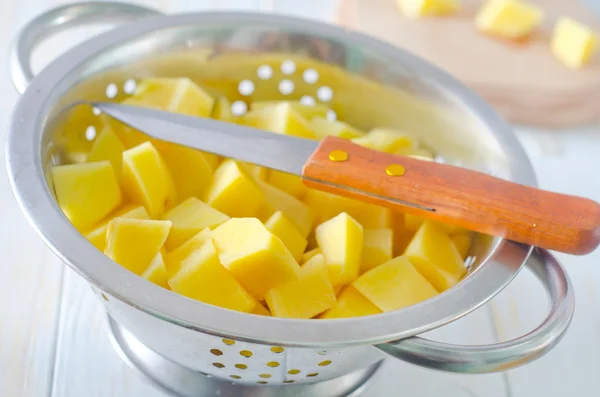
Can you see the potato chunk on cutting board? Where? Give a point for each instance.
(351, 303)
(394, 285)
(422, 8)
(98, 236)
(202, 277)
(280, 226)
(573, 43)
(512, 19)
(255, 256)
(86, 193)
(133, 243)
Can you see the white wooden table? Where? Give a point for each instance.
(53, 338)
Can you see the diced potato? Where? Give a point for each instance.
(351, 303)
(258, 172)
(512, 19)
(191, 173)
(146, 180)
(108, 146)
(129, 136)
(306, 111)
(435, 256)
(213, 160)
(174, 258)
(394, 285)
(178, 95)
(402, 236)
(255, 257)
(189, 218)
(462, 243)
(289, 183)
(414, 222)
(327, 205)
(157, 273)
(233, 191)
(98, 236)
(377, 248)
(341, 242)
(260, 310)
(202, 277)
(573, 43)
(371, 215)
(281, 119)
(222, 110)
(421, 8)
(384, 140)
(416, 152)
(301, 215)
(317, 262)
(133, 243)
(86, 193)
(306, 297)
(323, 128)
(280, 226)
(309, 254)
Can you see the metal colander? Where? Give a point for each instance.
(193, 348)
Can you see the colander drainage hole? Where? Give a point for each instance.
(112, 90)
(286, 87)
(104, 297)
(246, 353)
(239, 108)
(218, 365)
(216, 352)
(324, 94)
(264, 72)
(324, 363)
(129, 86)
(288, 67)
(90, 133)
(310, 76)
(241, 366)
(265, 376)
(294, 371)
(262, 382)
(277, 349)
(288, 381)
(235, 377)
(273, 364)
(312, 375)
(228, 342)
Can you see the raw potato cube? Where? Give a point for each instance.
(289, 183)
(421, 8)
(317, 262)
(377, 248)
(190, 171)
(306, 297)
(435, 256)
(341, 242)
(414, 222)
(384, 140)
(306, 111)
(178, 95)
(133, 243)
(174, 258)
(394, 285)
(327, 205)
(260, 310)
(573, 43)
(108, 146)
(351, 303)
(222, 110)
(416, 152)
(300, 214)
(254, 256)
(309, 254)
(258, 172)
(189, 218)
(157, 273)
(146, 180)
(323, 128)
(281, 119)
(280, 226)
(202, 277)
(86, 193)
(371, 215)
(98, 236)
(462, 243)
(402, 236)
(513, 19)
(233, 191)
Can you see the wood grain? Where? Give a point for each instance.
(458, 196)
(523, 81)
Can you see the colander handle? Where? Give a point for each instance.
(59, 19)
(506, 355)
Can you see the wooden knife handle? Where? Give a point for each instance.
(458, 196)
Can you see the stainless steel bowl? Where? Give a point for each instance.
(191, 347)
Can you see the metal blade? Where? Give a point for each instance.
(281, 152)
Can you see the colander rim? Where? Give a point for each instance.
(25, 169)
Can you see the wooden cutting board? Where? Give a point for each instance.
(523, 81)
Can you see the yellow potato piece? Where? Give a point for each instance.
(174, 258)
(306, 297)
(421, 8)
(258, 172)
(146, 180)
(309, 254)
(402, 236)
(233, 191)
(289, 183)
(377, 248)
(435, 256)
(351, 303)
(157, 273)
(323, 128)
(371, 215)
(129, 136)
(341, 242)
(306, 111)
(327, 205)
(189, 218)
(191, 173)
(133, 243)
(255, 257)
(300, 214)
(86, 193)
(222, 110)
(462, 243)
(416, 152)
(280, 226)
(414, 222)
(573, 43)
(178, 95)
(281, 119)
(394, 285)
(512, 19)
(108, 146)
(202, 277)
(98, 236)
(260, 310)
(384, 140)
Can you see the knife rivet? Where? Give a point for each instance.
(338, 155)
(395, 170)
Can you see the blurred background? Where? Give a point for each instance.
(53, 338)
